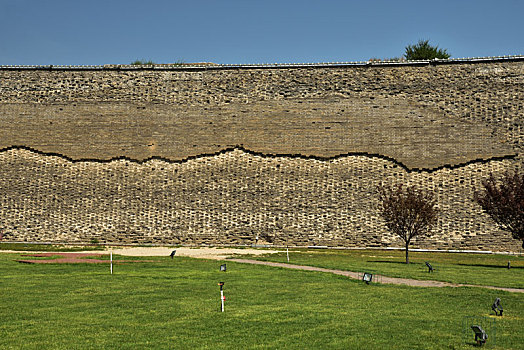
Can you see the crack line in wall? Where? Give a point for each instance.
(265, 155)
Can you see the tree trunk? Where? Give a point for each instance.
(407, 250)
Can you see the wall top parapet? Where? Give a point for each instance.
(200, 67)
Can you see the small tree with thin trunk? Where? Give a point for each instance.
(408, 212)
(503, 200)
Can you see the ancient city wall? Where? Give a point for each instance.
(292, 153)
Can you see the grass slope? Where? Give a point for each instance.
(175, 303)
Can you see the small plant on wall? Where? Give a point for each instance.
(408, 212)
(143, 63)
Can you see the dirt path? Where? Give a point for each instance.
(383, 279)
(202, 253)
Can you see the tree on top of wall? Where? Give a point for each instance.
(424, 51)
(503, 200)
(408, 212)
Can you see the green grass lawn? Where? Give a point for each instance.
(175, 304)
(480, 269)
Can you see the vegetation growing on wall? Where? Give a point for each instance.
(142, 62)
(424, 51)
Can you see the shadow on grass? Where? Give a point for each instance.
(501, 266)
(474, 344)
(395, 262)
(492, 266)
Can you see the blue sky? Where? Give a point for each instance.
(265, 31)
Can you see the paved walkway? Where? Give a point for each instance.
(383, 279)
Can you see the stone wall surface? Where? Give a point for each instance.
(296, 154)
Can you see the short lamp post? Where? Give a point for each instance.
(222, 298)
(287, 247)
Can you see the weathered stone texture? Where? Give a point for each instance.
(314, 111)
(411, 117)
(230, 198)
(318, 127)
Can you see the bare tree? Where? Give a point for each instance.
(503, 200)
(408, 211)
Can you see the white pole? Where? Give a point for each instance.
(222, 298)
(287, 252)
(111, 262)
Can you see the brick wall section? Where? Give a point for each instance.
(479, 93)
(229, 197)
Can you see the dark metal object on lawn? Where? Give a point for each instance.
(367, 277)
(509, 265)
(482, 326)
(172, 254)
(223, 267)
(480, 335)
(497, 307)
(430, 268)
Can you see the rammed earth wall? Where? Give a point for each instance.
(296, 153)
